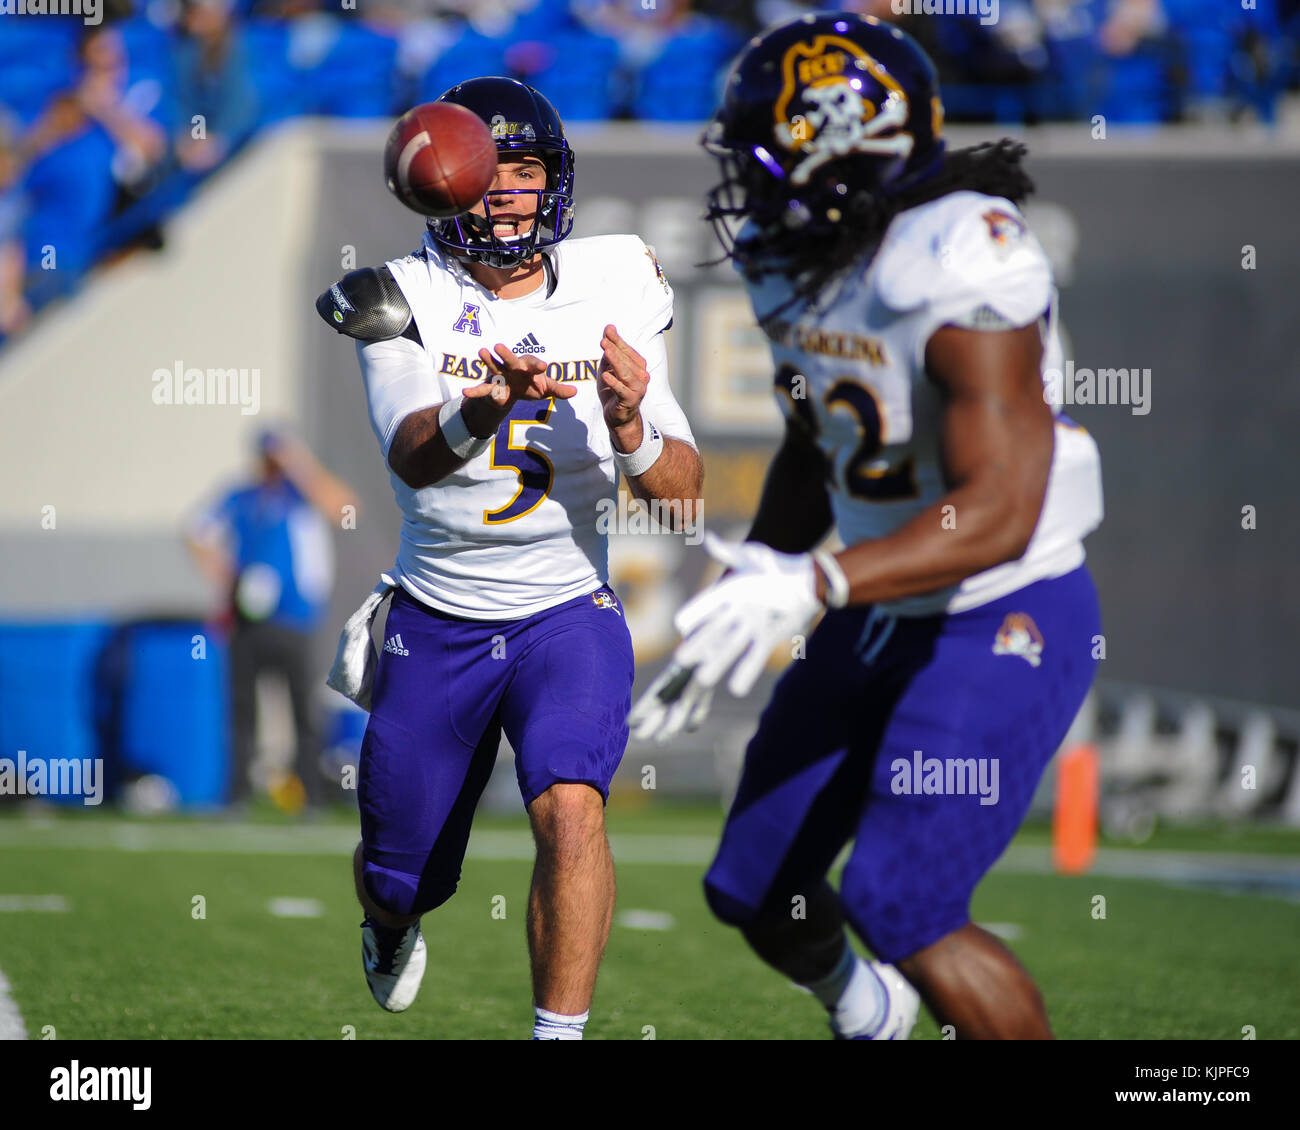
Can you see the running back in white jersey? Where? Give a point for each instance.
(966, 259)
(515, 530)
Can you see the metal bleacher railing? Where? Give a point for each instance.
(1185, 758)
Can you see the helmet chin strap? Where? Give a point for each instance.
(495, 248)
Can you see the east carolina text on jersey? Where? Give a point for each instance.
(815, 339)
(473, 369)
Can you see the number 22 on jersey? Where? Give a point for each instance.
(859, 479)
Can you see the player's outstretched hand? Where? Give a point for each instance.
(764, 601)
(672, 703)
(516, 378)
(623, 379)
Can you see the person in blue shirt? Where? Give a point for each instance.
(93, 148)
(267, 545)
(214, 80)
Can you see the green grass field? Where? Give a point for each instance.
(127, 958)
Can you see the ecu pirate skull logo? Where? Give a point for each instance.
(1019, 635)
(821, 113)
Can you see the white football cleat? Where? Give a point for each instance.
(901, 1010)
(394, 963)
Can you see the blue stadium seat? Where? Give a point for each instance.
(1137, 88)
(1203, 13)
(543, 21)
(683, 83)
(148, 49)
(356, 78)
(1209, 61)
(47, 702)
(25, 88)
(987, 102)
(1205, 30)
(468, 57)
(1265, 18)
(29, 39)
(36, 60)
(991, 83)
(579, 79)
(1073, 73)
(281, 91)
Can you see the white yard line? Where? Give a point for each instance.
(11, 1020)
(1256, 871)
(285, 907)
(264, 839)
(1128, 863)
(40, 904)
(645, 919)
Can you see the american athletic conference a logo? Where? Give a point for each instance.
(468, 321)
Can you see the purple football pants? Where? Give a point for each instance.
(921, 740)
(558, 683)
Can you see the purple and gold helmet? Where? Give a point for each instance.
(522, 121)
(821, 119)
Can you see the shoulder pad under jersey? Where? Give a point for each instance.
(624, 273)
(962, 253)
(369, 306)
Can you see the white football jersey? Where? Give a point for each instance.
(517, 529)
(964, 259)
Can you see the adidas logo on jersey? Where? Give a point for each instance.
(530, 344)
(394, 644)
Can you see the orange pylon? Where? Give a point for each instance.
(1074, 819)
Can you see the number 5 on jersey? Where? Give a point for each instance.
(510, 452)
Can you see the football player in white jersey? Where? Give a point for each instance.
(911, 315)
(511, 377)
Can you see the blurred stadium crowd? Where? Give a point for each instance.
(105, 129)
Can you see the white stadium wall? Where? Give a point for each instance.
(83, 430)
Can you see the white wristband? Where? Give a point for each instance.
(456, 432)
(837, 584)
(638, 462)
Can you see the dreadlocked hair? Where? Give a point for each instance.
(993, 168)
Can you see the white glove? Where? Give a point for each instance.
(672, 703)
(734, 625)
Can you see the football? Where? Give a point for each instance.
(440, 159)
